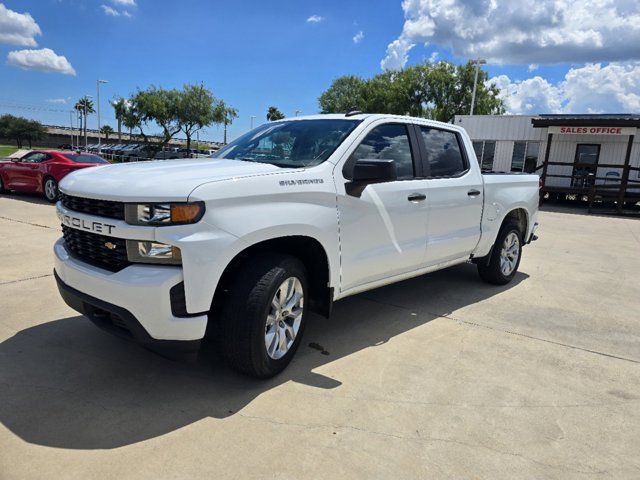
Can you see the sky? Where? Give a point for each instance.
(548, 56)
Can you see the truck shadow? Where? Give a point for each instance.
(66, 384)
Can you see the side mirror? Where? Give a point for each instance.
(16, 160)
(375, 171)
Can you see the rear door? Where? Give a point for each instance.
(454, 195)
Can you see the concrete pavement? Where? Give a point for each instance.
(436, 377)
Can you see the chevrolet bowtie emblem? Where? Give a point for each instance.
(110, 246)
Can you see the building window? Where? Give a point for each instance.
(485, 152)
(525, 157)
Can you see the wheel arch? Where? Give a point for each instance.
(307, 249)
(520, 216)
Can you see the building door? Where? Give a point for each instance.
(585, 164)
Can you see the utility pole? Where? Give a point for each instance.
(71, 125)
(252, 118)
(478, 62)
(98, 82)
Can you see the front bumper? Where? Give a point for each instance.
(137, 298)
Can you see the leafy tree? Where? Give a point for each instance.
(120, 106)
(228, 114)
(345, 94)
(21, 129)
(160, 106)
(106, 130)
(85, 107)
(197, 108)
(274, 114)
(438, 91)
(132, 118)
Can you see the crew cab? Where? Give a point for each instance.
(237, 249)
(40, 171)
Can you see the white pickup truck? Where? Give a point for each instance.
(287, 219)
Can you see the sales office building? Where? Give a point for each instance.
(571, 153)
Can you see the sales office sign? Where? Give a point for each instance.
(611, 131)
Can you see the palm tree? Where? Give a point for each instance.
(106, 130)
(120, 106)
(225, 115)
(85, 107)
(274, 114)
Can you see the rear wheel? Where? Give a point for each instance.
(505, 258)
(50, 188)
(263, 317)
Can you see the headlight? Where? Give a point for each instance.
(161, 214)
(153, 252)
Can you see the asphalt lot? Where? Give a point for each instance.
(436, 377)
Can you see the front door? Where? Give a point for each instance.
(383, 227)
(585, 164)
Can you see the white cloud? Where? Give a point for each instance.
(522, 32)
(18, 28)
(533, 67)
(124, 3)
(358, 37)
(57, 101)
(126, 14)
(110, 11)
(315, 19)
(44, 60)
(590, 89)
(433, 58)
(397, 54)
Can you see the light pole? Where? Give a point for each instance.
(478, 62)
(252, 118)
(98, 82)
(71, 125)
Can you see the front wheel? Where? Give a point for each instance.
(263, 316)
(51, 190)
(505, 259)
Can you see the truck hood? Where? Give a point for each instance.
(166, 180)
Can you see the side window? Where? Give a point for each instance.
(386, 142)
(443, 152)
(35, 157)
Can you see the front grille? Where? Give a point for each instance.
(101, 208)
(91, 248)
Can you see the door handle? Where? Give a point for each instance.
(473, 193)
(417, 197)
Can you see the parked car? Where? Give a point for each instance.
(65, 146)
(283, 221)
(40, 171)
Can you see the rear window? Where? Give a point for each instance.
(84, 158)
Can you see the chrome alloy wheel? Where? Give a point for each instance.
(50, 189)
(285, 316)
(509, 254)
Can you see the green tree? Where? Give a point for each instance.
(227, 114)
(160, 106)
(345, 94)
(120, 106)
(85, 107)
(197, 108)
(21, 129)
(438, 91)
(106, 130)
(274, 114)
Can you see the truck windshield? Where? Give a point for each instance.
(294, 143)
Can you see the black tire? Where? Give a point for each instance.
(243, 317)
(491, 272)
(53, 197)
(2, 190)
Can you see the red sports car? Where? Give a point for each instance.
(40, 171)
